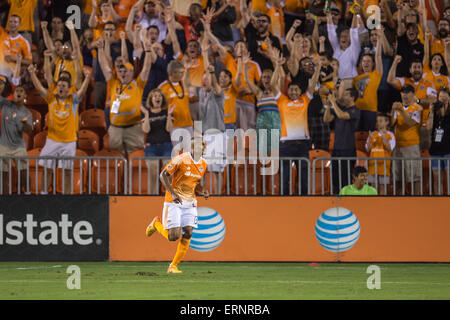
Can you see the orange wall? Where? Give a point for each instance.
(282, 229)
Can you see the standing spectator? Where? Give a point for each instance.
(439, 124)
(346, 117)
(435, 68)
(157, 124)
(367, 85)
(211, 102)
(151, 15)
(193, 27)
(62, 125)
(259, 39)
(406, 117)
(295, 140)
(346, 46)
(25, 10)
(380, 144)
(15, 120)
(178, 95)
(125, 133)
(409, 48)
(437, 44)
(359, 185)
(224, 17)
(15, 44)
(230, 92)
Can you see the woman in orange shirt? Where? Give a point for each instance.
(435, 68)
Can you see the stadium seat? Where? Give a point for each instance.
(331, 145)
(88, 141)
(36, 172)
(148, 178)
(322, 170)
(360, 140)
(107, 174)
(80, 173)
(94, 120)
(37, 120)
(39, 139)
(35, 101)
(105, 141)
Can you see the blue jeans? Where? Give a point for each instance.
(443, 164)
(158, 149)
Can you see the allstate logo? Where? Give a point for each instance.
(337, 229)
(210, 231)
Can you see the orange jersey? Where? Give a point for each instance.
(197, 70)
(438, 80)
(130, 98)
(14, 47)
(294, 117)
(175, 94)
(62, 118)
(66, 65)
(229, 107)
(54, 89)
(437, 46)
(367, 86)
(254, 73)
(186, 174)
(277, 20)
(424, 88)
(404, 135)
(25, 10)
(378, 150)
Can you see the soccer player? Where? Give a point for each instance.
(180, 204)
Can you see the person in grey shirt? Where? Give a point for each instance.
(16, 119)
(211, 108)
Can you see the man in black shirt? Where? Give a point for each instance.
(410, 48)
(258, 38)
(345, 117)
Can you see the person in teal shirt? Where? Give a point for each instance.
(359, 186)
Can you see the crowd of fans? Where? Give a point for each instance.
(299, 68)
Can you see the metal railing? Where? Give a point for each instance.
(63, 175)
(241, 176)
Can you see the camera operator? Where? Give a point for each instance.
(439, 122)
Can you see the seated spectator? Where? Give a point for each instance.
(359, 185)
(15, 120)
(439, 124)
(406, 117)
(62, 129)
(380, 144)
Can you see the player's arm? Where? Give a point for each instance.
(164, 177)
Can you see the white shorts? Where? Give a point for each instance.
(179, 215)
(58, 149)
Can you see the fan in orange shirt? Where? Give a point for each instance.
(435, 68)
(180, 203)
(230, 91)
(14, 45)
(107, 13)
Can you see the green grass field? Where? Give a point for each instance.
(210, 281)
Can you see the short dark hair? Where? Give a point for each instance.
(227, 72)
(416, 60)
(412, 25)
(353, 92)
(15, 15)
(69, 84)
(153, 26)
(268, 18)
(384, 115)
(356, 171)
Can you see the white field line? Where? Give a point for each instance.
(230, 281)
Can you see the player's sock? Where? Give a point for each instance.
(159, 226)
(182, 248)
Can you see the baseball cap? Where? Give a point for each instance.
(408, 88)
(127, 65)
